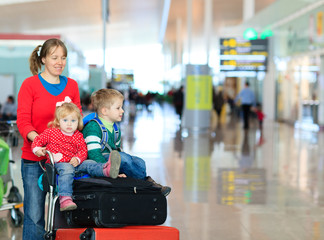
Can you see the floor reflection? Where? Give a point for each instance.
(196, 168)
(228, 183)
(245, 184)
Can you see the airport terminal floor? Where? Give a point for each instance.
(227, 184)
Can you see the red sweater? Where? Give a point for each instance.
(260, 115)
(36, 107)
(57, 142)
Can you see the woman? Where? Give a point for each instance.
(37, 100)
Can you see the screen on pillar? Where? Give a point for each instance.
(243, 55)
(122, 75)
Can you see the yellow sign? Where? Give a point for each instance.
(319, 23)
(199, 92)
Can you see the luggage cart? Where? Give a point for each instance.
(12, 201)
(103, 206)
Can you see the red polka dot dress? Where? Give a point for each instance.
(63, 147)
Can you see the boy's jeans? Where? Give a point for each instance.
(132, 166)
(34, 202)
(66, 173)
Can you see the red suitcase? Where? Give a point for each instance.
(122, 233)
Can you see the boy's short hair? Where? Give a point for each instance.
(105, 98)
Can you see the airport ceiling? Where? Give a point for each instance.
(131, 22)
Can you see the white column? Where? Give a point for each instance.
(179, 41)
(208, 26)
(189, 27)
(321, 94)
(269, 86)
(248, 9)
(104, 22)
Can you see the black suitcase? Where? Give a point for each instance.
(106, 202)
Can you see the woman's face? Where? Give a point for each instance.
(55, 61)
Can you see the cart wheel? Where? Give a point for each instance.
(49, 236)
(17, 217)
(14, 195)
(87, 234)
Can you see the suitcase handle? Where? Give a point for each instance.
(84, 197)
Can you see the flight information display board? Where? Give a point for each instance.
(243, 55)
(122, 75)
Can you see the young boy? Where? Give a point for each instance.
(108, 104)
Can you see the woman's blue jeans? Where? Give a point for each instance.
(34, 202)
(132, 166)
(67, 172)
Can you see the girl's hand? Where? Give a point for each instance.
(122, 175)
(41, 152)
(74, 162)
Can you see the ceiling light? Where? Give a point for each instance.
(10, 2)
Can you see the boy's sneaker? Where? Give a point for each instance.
(111, 167)
(67, 204)
(165, 190)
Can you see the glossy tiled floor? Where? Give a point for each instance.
(228, 184)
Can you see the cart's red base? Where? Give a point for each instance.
(123, 233)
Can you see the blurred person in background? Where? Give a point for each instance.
(218, 101)
(178, 99)
(247, 98)
(9, 109)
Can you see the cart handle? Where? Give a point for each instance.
(51, 159)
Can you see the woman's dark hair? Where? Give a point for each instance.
(35, 59)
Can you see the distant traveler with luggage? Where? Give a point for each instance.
(66, 143)
(37, 100)
(108, 104)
